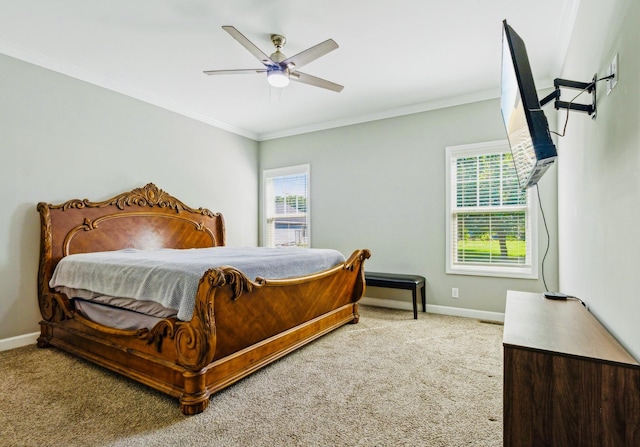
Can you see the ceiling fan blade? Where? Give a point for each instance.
(315, 81)
(242, 71)
(257, 52)
(309, 55)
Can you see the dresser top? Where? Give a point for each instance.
(563, 327)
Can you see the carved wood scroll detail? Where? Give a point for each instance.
(195, 339)
(226, 275)
(54, 307)
(356, 259)
(163, 329)
(45, 260)
(148, 195)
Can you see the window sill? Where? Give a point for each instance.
(498, 272)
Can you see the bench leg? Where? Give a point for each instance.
(424, 298)
(415, 303)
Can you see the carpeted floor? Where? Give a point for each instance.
(387, 381)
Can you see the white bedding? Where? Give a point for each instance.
(171, 276)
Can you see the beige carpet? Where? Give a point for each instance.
(387, 381)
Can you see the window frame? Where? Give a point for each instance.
(527, 271)
(268, 174)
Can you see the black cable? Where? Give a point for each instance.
(564, 129)
(546, 228)
(606, 78)
(566, 121)
(544, 219)
(570, 297)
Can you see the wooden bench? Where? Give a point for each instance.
(399, 281)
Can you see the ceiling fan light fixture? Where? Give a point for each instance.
(280, 68)
(278, 78)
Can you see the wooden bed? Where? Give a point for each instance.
(239, 324)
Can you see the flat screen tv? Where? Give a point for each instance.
(526, 124)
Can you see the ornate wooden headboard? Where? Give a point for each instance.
(145, 218)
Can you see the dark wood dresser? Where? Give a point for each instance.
(567, 381)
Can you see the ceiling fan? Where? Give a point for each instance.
(281, 69)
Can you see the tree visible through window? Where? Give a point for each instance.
(286, 210)
(489, 229)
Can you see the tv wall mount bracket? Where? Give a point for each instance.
(589, 87)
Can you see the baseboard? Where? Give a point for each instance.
(19, 341)
(435, 309)
(467, 313)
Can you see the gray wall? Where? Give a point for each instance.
(381, 185)
(61, 138)
(598, 172)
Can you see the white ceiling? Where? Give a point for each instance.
(394, 58)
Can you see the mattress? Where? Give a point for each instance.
(170, 277)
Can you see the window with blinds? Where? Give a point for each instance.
(490, 228)
(286, 219)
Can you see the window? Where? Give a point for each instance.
(491, 226)
(286, 207)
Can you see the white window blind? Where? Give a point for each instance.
(286, 207)
(490, 224)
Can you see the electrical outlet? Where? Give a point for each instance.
(454, 292)
(613, 70)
